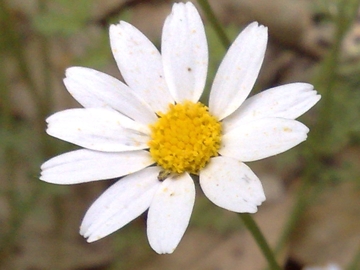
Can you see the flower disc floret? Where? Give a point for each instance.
(185, 138)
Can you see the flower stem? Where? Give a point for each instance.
(16, 48)
(317, 147)
(210, 15)
(355, 264)
(346, 11)
(260, 240)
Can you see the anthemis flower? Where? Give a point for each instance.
(153, 134)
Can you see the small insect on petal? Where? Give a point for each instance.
(163, 175)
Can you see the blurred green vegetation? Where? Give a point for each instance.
(39, 40)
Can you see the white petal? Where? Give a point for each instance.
(121, 203)
(84, 165)
(262, 138)
(140, 64)
(170, 212)
(98, 129)
(238, 71)
(287, 101)
(94, 89)
(232, 185)
(185, 53)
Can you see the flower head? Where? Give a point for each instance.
(154, 132)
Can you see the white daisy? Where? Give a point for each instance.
(153, 129)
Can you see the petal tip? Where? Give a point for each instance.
(84, 229)
(115, 29)
(70, 71)
(258, 26)
(160, 249)
(93, 238)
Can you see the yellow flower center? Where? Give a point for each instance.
(185, 138)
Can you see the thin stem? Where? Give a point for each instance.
(316, 147)
(260, 240)
(210, 15)
(355, 264)
(325, 82)
(20, 207)
(17, 50)
(47, 67)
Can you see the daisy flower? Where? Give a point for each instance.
(154, 134)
